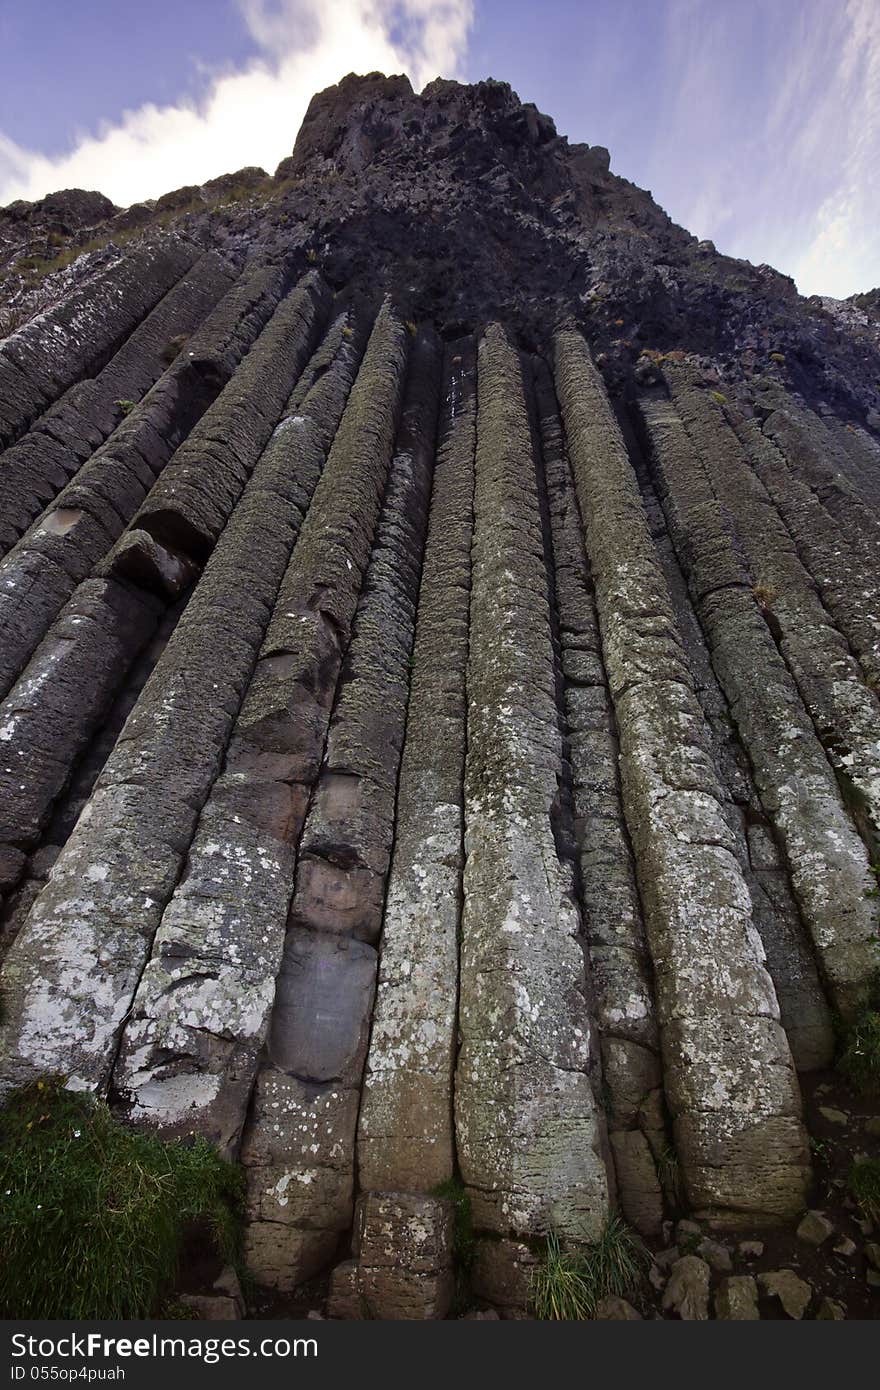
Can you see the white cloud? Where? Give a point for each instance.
(842, 254)
(250, 116)
(774, 112)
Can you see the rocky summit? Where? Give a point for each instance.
(440, 726)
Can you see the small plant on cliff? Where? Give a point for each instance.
(92, 1215)
(561, 1291)
(859, 1057)
(463, 1244)
(669, 1173)
(763, 597)
(568, 1285)
(173, 347)
(863, 1182)
(125, 406)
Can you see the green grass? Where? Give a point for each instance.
(863, 1181)
(859, 1057)
(669, 1174)
(92, 1215)
(125, 406)
(463, 1242)
(568, 1285)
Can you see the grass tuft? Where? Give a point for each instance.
(859, 1056)
(463, 1242)
(863, 1182)
(568, 1285)
(92, 1215)
(859, 1061)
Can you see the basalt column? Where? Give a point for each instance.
(729, 1079)
(346, 846)
(70, 977)
(305, 1100)
(405, 1143)
(619, 962)
(189, 1050)
(828, 862)
(531, 1137)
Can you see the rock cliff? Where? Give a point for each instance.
(439, 693)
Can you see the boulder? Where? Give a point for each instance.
(737, 1299)
(687, 1293)
(793, 1292)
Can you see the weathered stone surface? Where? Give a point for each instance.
(740, 1141)
(503, 1271)
(346, 841)
(687, 1293)
(618, 955)
(76, 336)
(830, 1311)
(57, 704)
(716, 1255)
(191, 503)
(815, 1228)
(616, 1310)
(828, 861)
(849, 589)
(210, 1307)
(790, 960)
(531, 1138)
(403, 1269)
(91, 512)
(296, 1153)
(343, 1297)
(844, 711)
(736, 1300)
(219, 945)
(793, 1292)
(405, 1138)
(323, 1000)
(73, 970)
(285, 718)
(35, 468)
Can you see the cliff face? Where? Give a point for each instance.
(440, 610)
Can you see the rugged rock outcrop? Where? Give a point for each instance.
(439, 699)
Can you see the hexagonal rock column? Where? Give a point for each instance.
(75, 337)
(844, 710)
(729, 1077)
(70, 977)
(318, 1035)
(828, 861)
(87, 516)
(189, 1050)
(403, 1260)
(405, 1138)
(37, 467)
(618, 954)
(848, 587)
(531, 1137)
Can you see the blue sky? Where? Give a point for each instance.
(753, 122)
